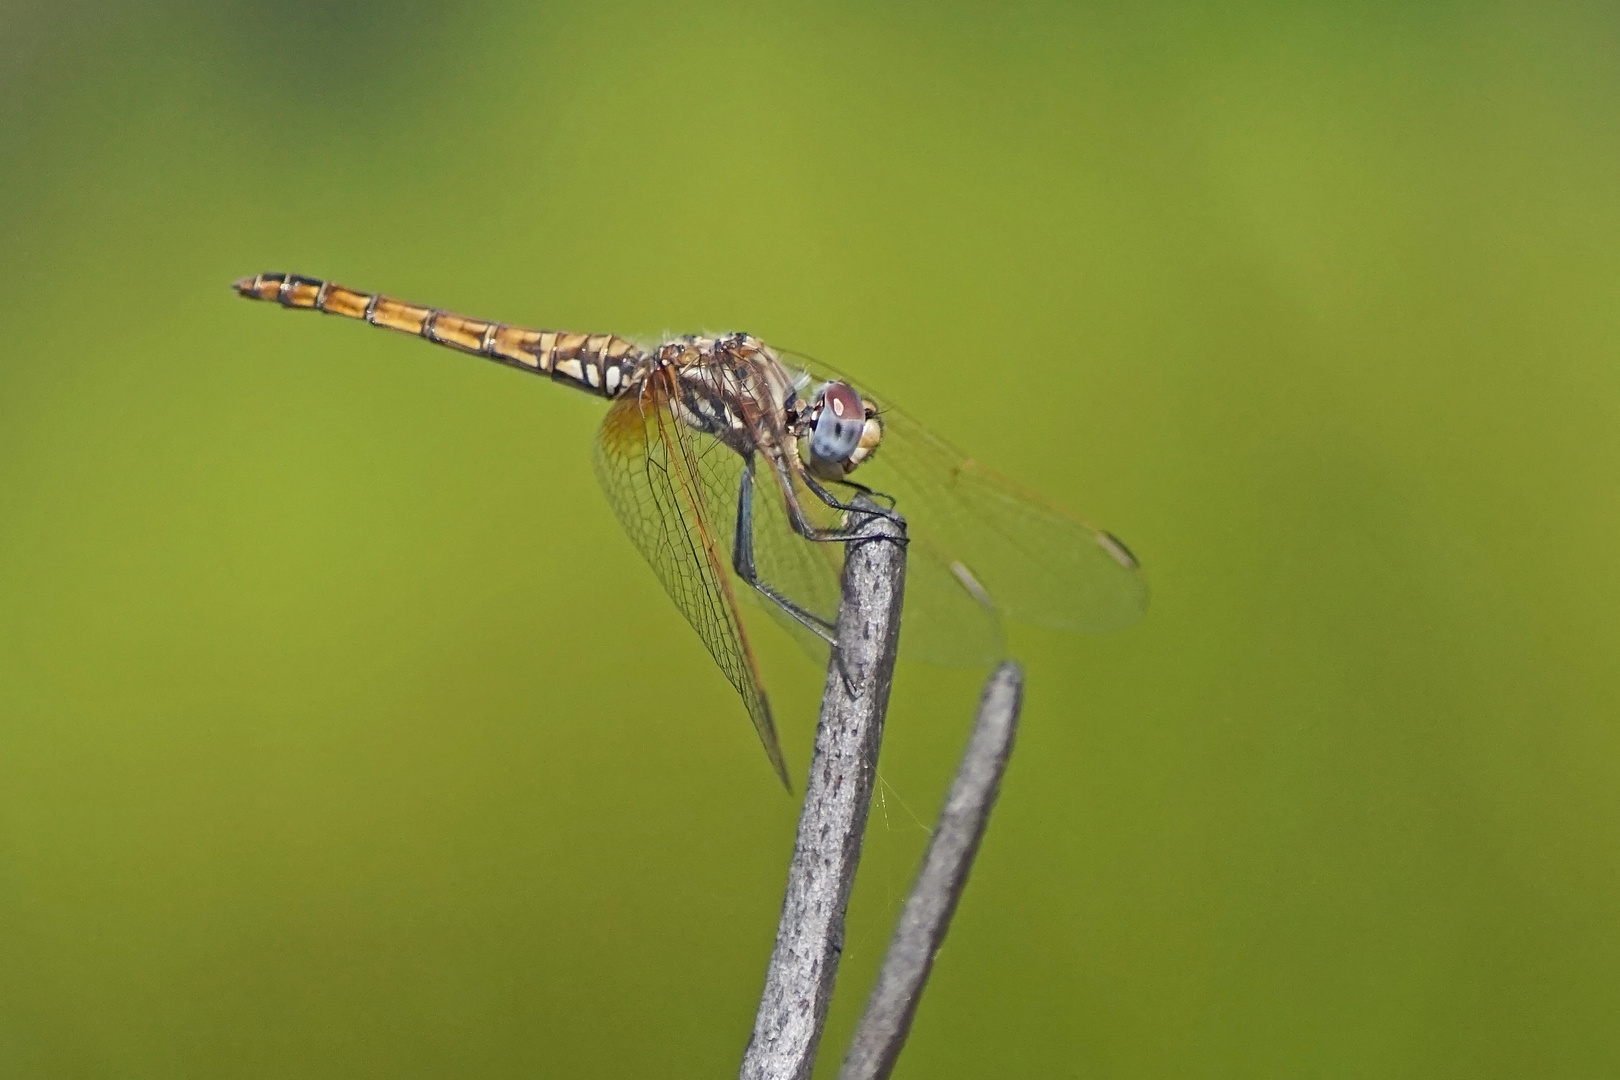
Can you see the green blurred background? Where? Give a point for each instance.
(343, 734)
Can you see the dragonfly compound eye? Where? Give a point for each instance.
(838, 422)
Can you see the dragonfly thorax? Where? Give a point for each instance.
(731, 387)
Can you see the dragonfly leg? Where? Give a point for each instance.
(871, 493)
(831, 500)
(804, 528)
(827, 497)
(801, 522)
(742, 561)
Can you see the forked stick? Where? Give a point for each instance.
(838, 795)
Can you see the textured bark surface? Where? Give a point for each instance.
(810, 936)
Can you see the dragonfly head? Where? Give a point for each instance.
(838, 431)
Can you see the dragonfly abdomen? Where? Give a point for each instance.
(600, 363)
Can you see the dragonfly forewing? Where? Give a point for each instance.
(650, 466)
(1032, 561)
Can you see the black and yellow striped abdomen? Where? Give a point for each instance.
(600, 363)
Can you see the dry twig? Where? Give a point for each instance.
(810, 936)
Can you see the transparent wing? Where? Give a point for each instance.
(941, 623)
(657, 479)
(981, 544)
(1031, 560)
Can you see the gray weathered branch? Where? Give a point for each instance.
(810, 936)
(927, 915)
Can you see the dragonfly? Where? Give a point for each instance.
(732, 467)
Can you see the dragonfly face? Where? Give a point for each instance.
(840, 431)
(728, 462)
